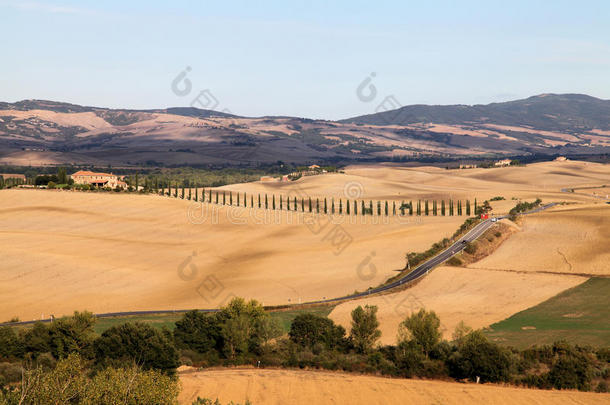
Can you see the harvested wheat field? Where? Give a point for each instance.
(573, 239)
(544, 180)
(105, 252)
(271, 387)
(477, 297)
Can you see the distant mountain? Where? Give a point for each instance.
(550, 112)
(49, 132)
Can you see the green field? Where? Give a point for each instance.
(168, 320)
(580, 315)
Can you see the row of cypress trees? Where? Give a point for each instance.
(326, 206)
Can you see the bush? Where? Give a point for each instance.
(68, 383)
(308, 330)
(137, 343)
(477, 357)
(471, 248)
(11, 346)
(454, 261)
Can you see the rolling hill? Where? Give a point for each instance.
(47, 132)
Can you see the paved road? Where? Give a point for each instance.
(417, 273)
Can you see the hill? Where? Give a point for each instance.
(47, 132)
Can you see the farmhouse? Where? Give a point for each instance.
(503, 162)
(7, 176)
(97, 179)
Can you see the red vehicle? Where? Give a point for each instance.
(484, 216)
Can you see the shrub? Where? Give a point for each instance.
(471, 248)
(137, 343)
(309, 329)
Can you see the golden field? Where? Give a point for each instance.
(278, 387)
(64, 251)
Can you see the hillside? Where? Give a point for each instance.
(47, 132)
(263, 387)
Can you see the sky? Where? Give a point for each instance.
(315, 59)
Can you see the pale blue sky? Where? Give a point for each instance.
(302, 58)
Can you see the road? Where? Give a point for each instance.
(417, 273)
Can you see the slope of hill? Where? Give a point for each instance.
(48, 132)
(321, 387)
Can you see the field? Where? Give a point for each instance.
(579, 315)
(105, 252)
(477, 297)
(271, 387)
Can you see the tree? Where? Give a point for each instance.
(273, 202)
(11, 346)
(468, 207)
(478, 357)
(245, 327)
(365, 328)
(137, 343)
(266, 202)
(443, 207)
(308, 330)
(198, 331)
(73, 334)
(427, 209)
(62, 177)
(418, 207)
(423, 328)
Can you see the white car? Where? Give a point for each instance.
(494, 219)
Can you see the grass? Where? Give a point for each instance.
(168, 320)
(580, 315)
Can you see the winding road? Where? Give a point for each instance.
(414, 275)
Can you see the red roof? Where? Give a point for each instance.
(88, 173)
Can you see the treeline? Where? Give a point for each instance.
(243, 333)
(323, 205)
(523, 207)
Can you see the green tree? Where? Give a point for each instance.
(427, 209)
(137, 342)
(62, 177)
(198, 331)
(73, 334)
(11, 345)
(423, 328)
(478, 357)
(365, 328)
(308, 330)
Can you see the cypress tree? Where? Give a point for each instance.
(475, 206)
(296, 204)
(309, 204)
(355, 208)
(371, 207)
(266, 202)
(386, 208)
(325, 208)
(332, 205)
(317, 205)
(280, 202)
(190, 194)
(411, 208)
(245, 201)
(252, 201)
(418, 207)
(216, 192)
(340, 206)
(273, 201)
(427, 210)
(302, 204)
(434, 208)
(238, 202)
(347, 207)
(443, 207)
(394, 208)
(259, 201)
(378, 208)
(362, 210)
(182, 195)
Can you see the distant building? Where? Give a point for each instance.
(98, 179)
(473, 166)
(314, 167)
(561, 159)
(6, 176)
(503, 162)
(268, 178)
